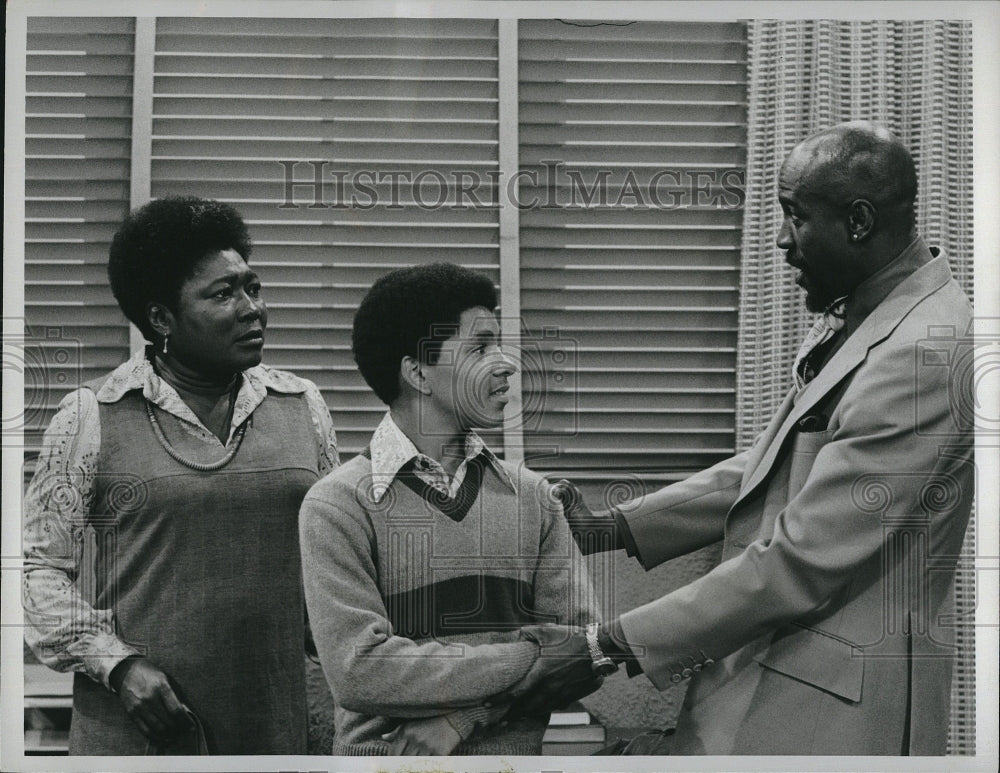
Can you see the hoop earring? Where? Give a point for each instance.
(165, 339)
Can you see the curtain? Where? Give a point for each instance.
(915, 77)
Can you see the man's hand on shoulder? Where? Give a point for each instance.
(593, 532)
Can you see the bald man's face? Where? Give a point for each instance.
(813, 234)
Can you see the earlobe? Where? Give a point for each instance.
(861, 219)
(161, 319)
(412, 372)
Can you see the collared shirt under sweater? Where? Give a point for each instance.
(416, 598)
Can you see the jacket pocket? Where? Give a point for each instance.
(818, 659)
(805, 446)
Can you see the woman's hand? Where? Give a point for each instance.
(149, 700)
(433, 735)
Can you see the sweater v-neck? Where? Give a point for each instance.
(455, 508)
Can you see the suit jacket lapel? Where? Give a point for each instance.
(875, 328)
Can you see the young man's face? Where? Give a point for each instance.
(469, 380)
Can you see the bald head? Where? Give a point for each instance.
(847, 194)
(862, 160)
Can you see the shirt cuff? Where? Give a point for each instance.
(624, 533)
(614, 644)
(105, 651)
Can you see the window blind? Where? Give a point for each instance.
(634, 273)
(77, 148)
(243, 107)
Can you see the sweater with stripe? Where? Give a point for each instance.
(415, 599)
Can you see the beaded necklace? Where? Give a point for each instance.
(201, 466)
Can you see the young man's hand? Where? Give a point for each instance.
(433, 735)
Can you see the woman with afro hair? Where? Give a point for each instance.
(182, 472)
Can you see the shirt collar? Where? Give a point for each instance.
(391, 449)
(138, 373)
(871, 292)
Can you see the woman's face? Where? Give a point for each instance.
(218, 325)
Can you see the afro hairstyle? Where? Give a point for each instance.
(411, 312)
(158, 246)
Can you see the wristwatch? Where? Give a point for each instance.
(601, 663)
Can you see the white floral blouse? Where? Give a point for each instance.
(64, 631)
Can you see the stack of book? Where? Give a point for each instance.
(573, 732)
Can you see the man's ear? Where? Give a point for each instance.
(861, 218)
(411, 370)
(160, 318)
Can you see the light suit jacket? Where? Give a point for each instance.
(827, 628)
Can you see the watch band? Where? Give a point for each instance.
(600, 662)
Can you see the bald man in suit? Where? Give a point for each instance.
(826, 628)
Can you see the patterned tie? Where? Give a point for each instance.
(818, 342)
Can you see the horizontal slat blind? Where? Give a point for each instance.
(77, 146)
(637, 290)
(235, 98)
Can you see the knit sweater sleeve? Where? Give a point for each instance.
(371, 670)
(563, 590)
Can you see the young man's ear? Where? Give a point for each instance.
(411, 371)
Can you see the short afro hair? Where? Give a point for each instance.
(408, 312)
(158, 247)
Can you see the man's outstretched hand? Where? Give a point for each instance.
(562, 673)
(593, 532)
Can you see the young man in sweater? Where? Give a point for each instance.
(433, 570)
